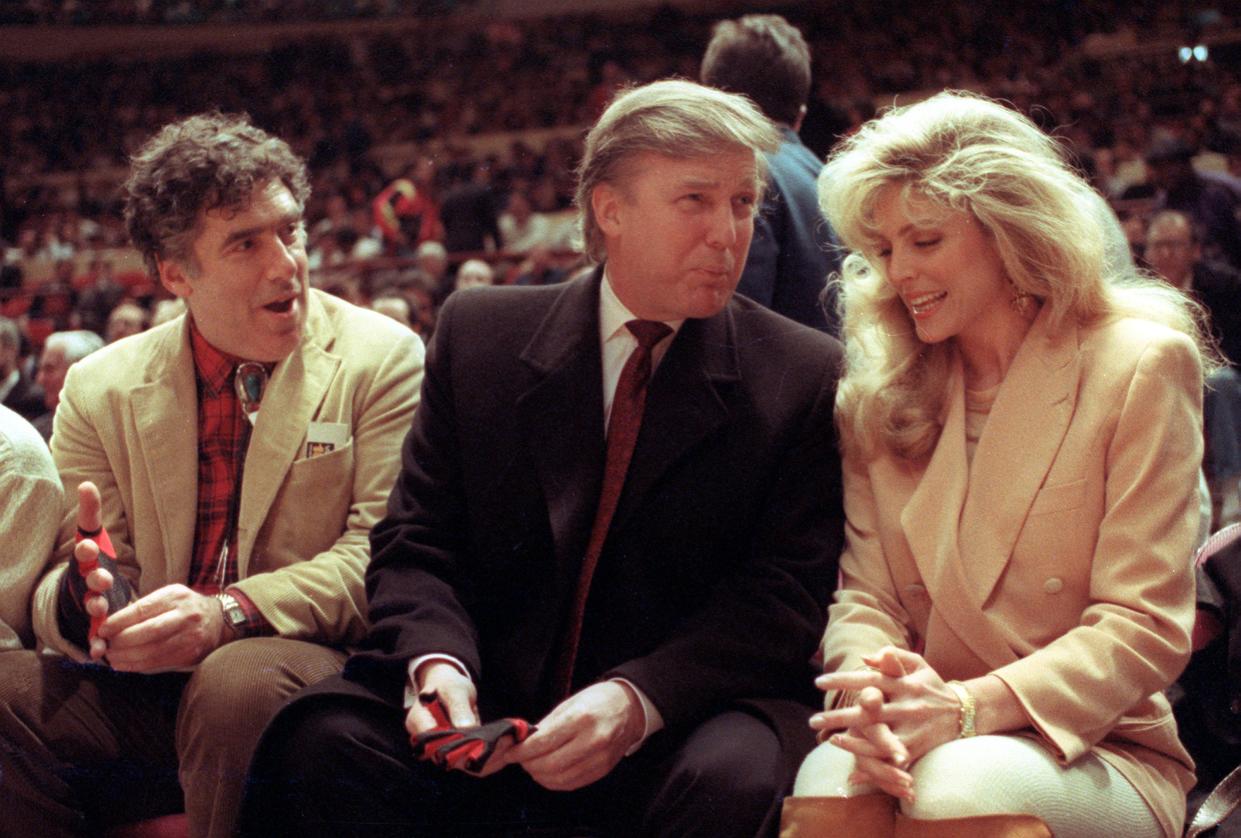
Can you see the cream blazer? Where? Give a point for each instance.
(1059, 559)
(128, 420)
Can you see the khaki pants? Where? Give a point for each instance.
(83, 747)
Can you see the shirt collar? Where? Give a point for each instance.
(214, 368)
(613, 314)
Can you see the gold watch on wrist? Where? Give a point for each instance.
(969, 709)
(234, 614)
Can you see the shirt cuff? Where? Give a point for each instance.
(652, 721)
(256, 624)
(411, 683)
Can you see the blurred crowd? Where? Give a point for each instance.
(95, 12)
(411, 183)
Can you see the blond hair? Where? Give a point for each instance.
(674, 118)
(1054, 235)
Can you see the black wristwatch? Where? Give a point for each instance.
(234, 614)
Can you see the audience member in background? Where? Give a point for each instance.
(474, 273)
(331, 249)
(61, 350)
(127, 319)
(766, 59)
(673, 631)
(521, 228)
(55, 300)
(1133, 228)
(422, 291)
(406, 211)
(100, 294)
(336, 217)
(18, 391)
(1211, 199)
(432, 259)
(468, 213)
(396, 305)
(241, 455)
(539, 268)
(346, 285)
(1174, 251)
(365, 241)
(31, 504)
(166, 310)
(1021, 415)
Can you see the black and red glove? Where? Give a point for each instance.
(71, 608)
(464, 748)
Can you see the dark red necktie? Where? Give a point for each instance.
(623, 427)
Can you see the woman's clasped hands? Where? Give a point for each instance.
(903, 709)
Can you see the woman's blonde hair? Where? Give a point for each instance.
(1056, 238)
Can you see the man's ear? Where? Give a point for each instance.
(606, 201)
(174, 277)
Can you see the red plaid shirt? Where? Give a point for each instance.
(223, 434)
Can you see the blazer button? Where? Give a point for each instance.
(915, 592)
(1053, 585)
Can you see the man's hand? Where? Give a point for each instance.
(98, 583)
(582, 738)
(170, 628)
(93, 588)
(457, 695)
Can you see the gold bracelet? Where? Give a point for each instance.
(968, 709)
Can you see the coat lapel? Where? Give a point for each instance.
(684, 404)
(1022, 436)
(962, 520)
(561, 415)
(297, 388)
(165, 410)
(932, 516)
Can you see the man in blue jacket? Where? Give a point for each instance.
(793, 253)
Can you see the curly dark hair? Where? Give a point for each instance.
(205, 162)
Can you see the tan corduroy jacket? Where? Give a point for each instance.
(128, 421)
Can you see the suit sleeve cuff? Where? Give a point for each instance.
(652, 721)
(411, 681)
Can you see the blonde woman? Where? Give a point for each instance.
(1021, 415)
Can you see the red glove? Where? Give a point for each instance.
(466, 748)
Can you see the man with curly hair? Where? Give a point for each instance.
(229, 465)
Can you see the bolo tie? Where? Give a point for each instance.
(249, 382)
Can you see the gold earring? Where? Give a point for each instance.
(1022, 302)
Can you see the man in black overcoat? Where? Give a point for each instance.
(651, 605)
